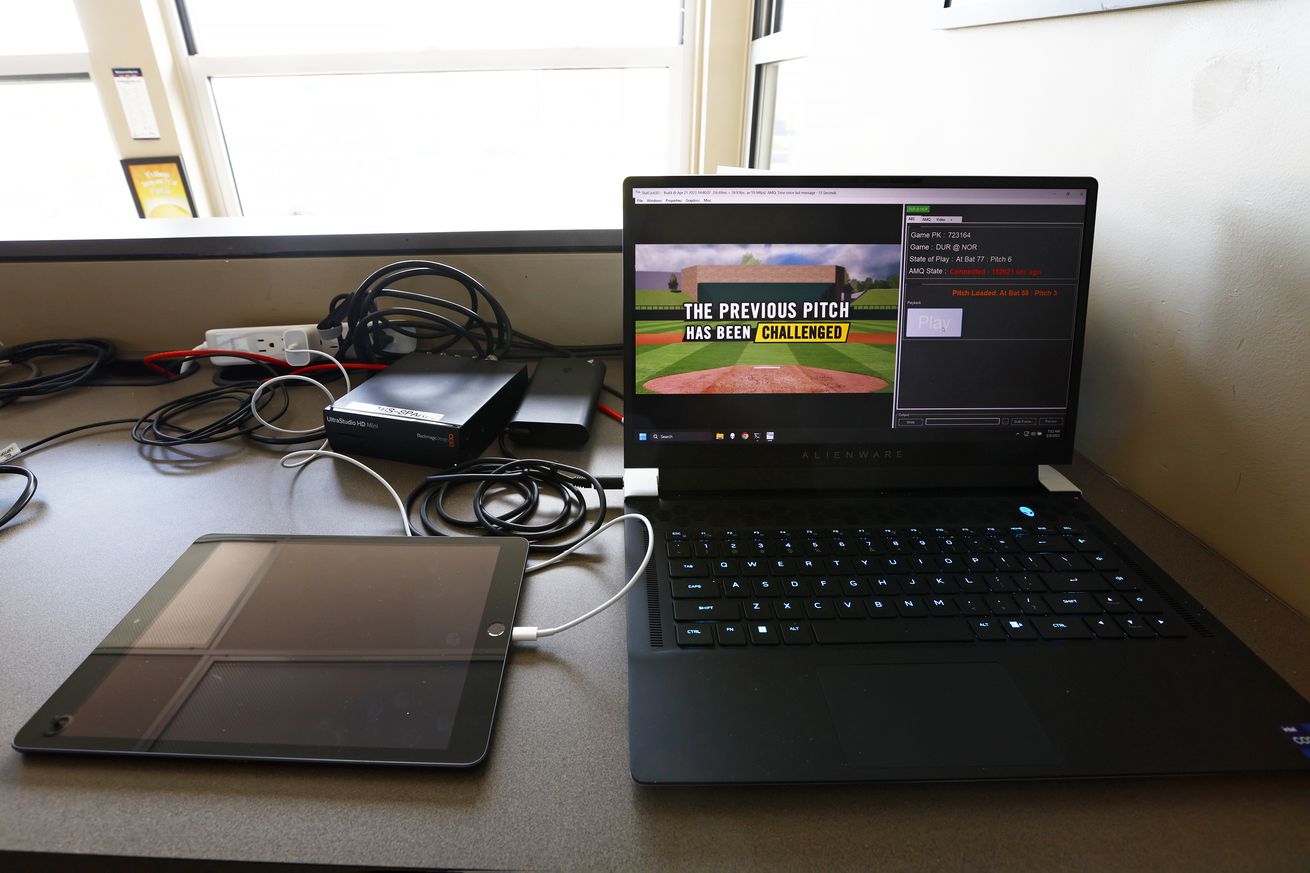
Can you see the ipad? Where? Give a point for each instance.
(379, 650)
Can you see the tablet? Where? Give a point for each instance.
(380, 650)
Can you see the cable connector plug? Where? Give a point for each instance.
(295, 346)
(523, 635)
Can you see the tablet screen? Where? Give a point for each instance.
(368, 649)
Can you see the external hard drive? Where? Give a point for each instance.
(559, 404)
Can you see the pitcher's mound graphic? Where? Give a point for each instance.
(783, 379)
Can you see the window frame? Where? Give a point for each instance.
(198, 69)
(28, 68)
(57, 67)
(45, 67)
(767, 49)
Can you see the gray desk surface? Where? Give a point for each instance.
(555, 792)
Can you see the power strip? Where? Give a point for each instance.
(271, 340)
(275, 340)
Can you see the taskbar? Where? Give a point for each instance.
(999, 427)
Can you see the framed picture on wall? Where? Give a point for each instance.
(159, 187)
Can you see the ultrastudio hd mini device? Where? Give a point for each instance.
(434, 410)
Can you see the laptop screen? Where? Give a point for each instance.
(934, 320)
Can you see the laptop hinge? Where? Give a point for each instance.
(1055, 482)
(641, 482)
(838, 480)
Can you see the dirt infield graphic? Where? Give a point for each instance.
(664, 339)
(786, 379)
(658, 339)
(874, 339)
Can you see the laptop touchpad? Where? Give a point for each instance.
(933, 715)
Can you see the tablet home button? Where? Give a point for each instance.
(495, 629)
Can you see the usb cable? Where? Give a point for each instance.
(530, 634)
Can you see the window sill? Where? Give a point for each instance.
(199, 238)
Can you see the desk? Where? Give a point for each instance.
(555, 792)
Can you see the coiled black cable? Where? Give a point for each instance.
(161, 426)
(528, 478)
(366, 329)
(100, 351)
(23, 499)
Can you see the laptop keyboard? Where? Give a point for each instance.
(799, 587)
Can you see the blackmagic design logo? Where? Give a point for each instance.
(852, 454)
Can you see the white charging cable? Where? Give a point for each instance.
(529, 634)
(254, 397)
(308, 455)
(305, 456)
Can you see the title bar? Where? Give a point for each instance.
(918, 196)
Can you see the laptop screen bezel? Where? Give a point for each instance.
(867, 456)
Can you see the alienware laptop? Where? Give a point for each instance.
(841, 395)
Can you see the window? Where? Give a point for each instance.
(778, 93)
(47, 28)
(513, 114)
(57, 159)
(779, 106)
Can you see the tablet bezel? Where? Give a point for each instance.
(474, 714)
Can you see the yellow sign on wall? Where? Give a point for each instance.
(159, 188)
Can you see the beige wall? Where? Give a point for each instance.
(1196, 383)
(147, 306)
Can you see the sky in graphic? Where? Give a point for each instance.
(860, 261)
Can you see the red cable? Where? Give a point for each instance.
(610, 412)
(149, 360)
(315, 367)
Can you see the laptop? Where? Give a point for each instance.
(843, 397)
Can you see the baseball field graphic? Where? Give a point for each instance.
(766, 318)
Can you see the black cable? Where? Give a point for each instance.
(100, 351)
(525, 341)
(533, 347)
(528, 478)
(145, 382)
(612, 482)
(30, 447)
(366, 328)
(24, 498)
(160, 427)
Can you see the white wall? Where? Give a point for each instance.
(1196, 120)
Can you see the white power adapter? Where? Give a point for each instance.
(285, 342)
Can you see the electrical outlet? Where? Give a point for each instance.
(270, 340)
